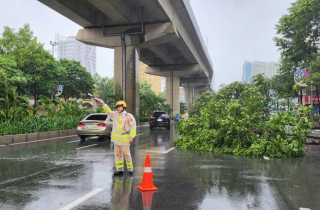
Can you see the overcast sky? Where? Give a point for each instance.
(235, 30)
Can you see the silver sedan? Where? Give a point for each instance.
(97, 124)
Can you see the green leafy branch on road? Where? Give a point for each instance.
(240, 124)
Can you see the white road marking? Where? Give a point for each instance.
(26, 177)
(142, 125)
(169, 150)
(18, 143)
(139, 134)
(82, 199)
(303, 208)
(26, 142)
(87, 146)
(266, 158)
(149, 151)
(3, 145)
(72, 141)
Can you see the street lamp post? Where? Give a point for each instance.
(53, 44)
(311, 83)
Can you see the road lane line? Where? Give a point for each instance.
(139, 134)
(169, 150)
(25, 177)
(149, 151)
(18, 143)
(301, 208)
(27, 142)
(87, 146)
(61, 137)
(73, 141)
(82, 199)
(142, 125)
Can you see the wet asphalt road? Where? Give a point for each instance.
(58, 173)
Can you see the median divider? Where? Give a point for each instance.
(314, 133)
(72, 132)
(44, 135)
(62, 133)
(32, 136)
(6, 139)
(29, 137)
(19, 138)
(53, 134)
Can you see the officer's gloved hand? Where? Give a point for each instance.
(100, 100)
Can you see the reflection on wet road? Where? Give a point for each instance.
(59, 174)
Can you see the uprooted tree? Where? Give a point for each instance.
(236, 120)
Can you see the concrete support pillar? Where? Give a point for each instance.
(172, 93)
(193, 95)
(196, 94)
(131, 77)
(188, 96)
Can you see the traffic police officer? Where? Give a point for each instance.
(123, 132)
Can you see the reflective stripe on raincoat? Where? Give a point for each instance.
(124, 126)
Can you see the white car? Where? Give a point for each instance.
(97, 124)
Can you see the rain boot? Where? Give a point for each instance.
(118, 173)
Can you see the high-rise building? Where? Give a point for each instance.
(251, 69)
(71, 49)
(246, 76)
(155, 81)
(163, 84)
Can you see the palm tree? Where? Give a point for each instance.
(20, 106)
(4, 101)
(13, 106)
(47, 104)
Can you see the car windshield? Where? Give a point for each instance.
(97, 117)
(160, 114)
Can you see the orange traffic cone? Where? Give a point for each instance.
(147, 181)
(147, 199)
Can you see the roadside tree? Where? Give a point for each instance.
(104, 87)
(78, 82)
(39, 69)
(299, 31)
(283, 82)
(150, 101)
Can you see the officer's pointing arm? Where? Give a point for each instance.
(107, 109)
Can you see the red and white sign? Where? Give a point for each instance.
(306, 99)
